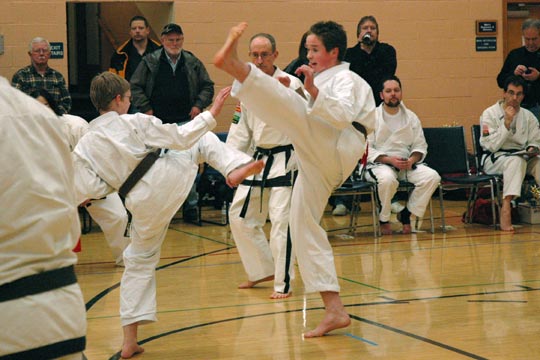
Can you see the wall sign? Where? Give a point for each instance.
(486, 27)
(57, 50)
(486, 43)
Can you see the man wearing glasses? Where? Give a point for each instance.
(511, 141)
(38, 75)
(266, 195)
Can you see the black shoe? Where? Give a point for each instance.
(191, 216)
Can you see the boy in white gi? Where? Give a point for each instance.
(328, 133)
(41, 305)
(109, 213)
(507, 128)
(396, 150)
(104, 158)
(266, 195)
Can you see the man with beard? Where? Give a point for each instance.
(373, 61)
(369, 58)
(506, 129)
(397, 148)
(173, 85)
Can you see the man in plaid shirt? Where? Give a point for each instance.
(39, 75)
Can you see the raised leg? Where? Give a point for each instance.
(227, 59)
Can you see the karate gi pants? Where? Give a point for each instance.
(260, 257)
(153, 201)
(111, 216)
(425, 180)
(513, 169)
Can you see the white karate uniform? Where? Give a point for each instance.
(327, 148)
(109, 213)
(524, 132)
(106, 156)
(39, 226)
(401, 142)
(260, 257)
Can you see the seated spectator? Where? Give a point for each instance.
(397, 148)
(506, 129)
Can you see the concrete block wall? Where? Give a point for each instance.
(445, 80)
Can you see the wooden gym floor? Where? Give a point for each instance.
(470, 293)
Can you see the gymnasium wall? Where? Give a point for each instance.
(445, 79)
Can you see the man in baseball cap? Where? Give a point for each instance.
(173, 84)
(172, 28)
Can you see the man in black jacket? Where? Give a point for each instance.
(525, 62)
(173, 85)
(371, 59)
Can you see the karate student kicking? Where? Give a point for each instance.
(328, 131)
(105, 157)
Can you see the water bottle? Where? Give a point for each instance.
(224, 213)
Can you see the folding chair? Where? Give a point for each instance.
(479, 154)
(447, 154)
(356, 188)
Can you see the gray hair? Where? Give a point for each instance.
(37, 40)
(266, 36)
(530, 23)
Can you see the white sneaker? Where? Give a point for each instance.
(396, 207)
(340, 210)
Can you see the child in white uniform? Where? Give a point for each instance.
(328, 132)
(107, 155)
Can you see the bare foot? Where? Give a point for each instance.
(227, 59)
(506, 218)
(128, 350)
(331, 321)
(238, 175)
(406, 229)
(249, 284)
(386, 229)
(280, 295)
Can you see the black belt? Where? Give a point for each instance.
(133, 178)
(38, 283)
(260, 152)
(360, 128)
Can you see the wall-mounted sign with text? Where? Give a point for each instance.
(486, 27)
(57, 50)
(486, 43)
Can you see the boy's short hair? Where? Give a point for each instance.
(105, 87)
(332, 35)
